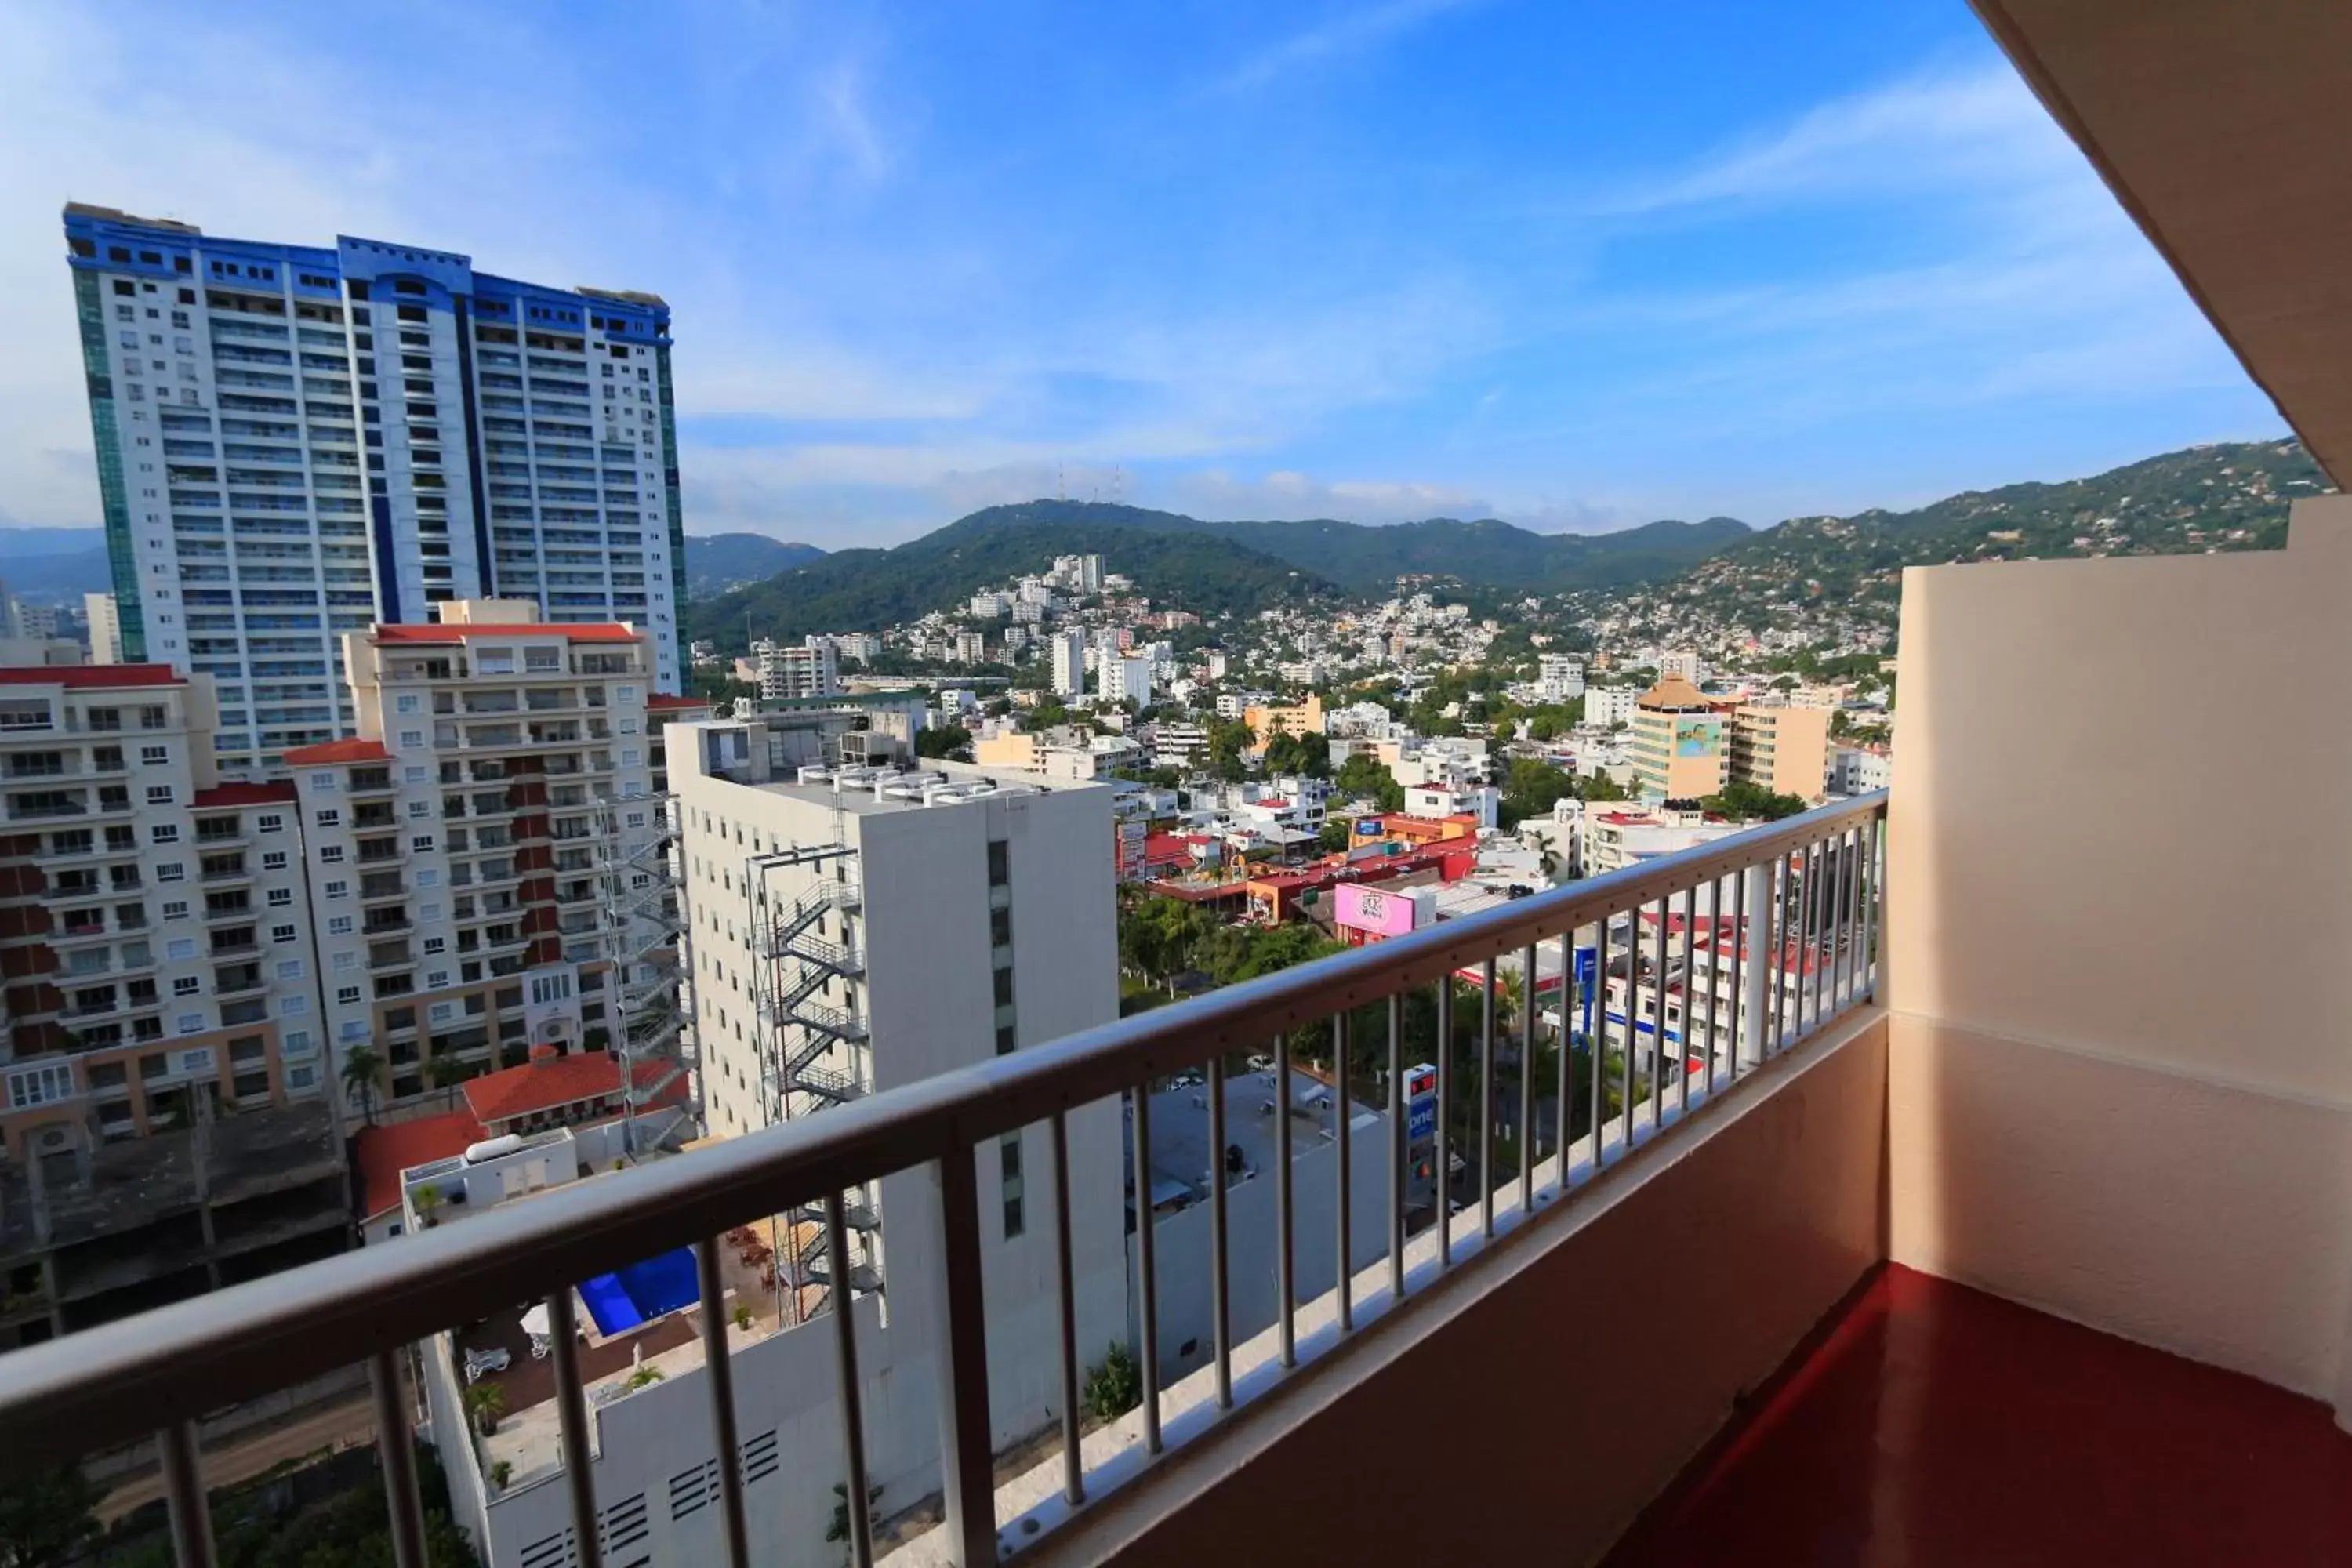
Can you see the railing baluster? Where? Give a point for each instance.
(1146, 1266)
(844, 1345)
(182, 1465)
(1658, 1016)
(1574, 999)
(1074, 1470)
(1445, 1166)
(1776, 976)
(721, 1371)
(396, 1448)
(1633, 1017)
(1399, 1152)
(1487, 1108)
(1339, 1112)
(1738, 967)
(1690, 993)
(1285, 1281)
(1527, 1082)
(1221, 1316)
(1870, 909)
(1816, 921)
(571, 1418)
(1850, 930)
(967, 1482)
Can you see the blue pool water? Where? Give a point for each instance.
(620, 1300)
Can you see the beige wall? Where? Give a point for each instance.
(2120, 1082)
(1525, 1410)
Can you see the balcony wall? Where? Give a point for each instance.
(2119, 1086)
(1527, 1409)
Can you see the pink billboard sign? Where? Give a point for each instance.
(1363, 908)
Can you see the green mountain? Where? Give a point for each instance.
(864, 590)
(717, 561)
(1203, 566)
(1365, 559)
(2228, 496)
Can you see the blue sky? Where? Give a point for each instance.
(1571, 263)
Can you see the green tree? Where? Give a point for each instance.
(952, 740)
(1601, 787)
(46, 1517)
(1364, 775)
(1228, 740)
(1530, 788)
(1334, 834)
(1742, 801)
(361, 1067)
(1114, 1385)
(1310, 754)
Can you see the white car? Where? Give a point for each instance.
(495, 1359)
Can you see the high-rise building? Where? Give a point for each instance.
(1610, 705)
(164, 1120)
(1069, 663)
(808, 669)
(105, 628)
(1782, 746)
(1677, 743)
(295, 441)
(1126, 679)
(487, 856)
(1561, 676)
(852, 931)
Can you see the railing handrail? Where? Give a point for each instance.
(122, 1380)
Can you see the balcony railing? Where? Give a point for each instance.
(1795, 902)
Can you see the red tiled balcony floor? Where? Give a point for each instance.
(1937, 1425)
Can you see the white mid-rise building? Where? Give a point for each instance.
(1560, 677)
(488, 850)
(1608, 706)
(1127, 680)
(1069, 663)
(809, 669)
(105, 621)
(851, 931)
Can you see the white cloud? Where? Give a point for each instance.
(1351, 32)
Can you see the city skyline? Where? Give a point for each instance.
(1487, 269)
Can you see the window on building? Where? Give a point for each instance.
(339, 925)
(175, 909)
(165, 833)
(349, 996)
(154, 756)
(280, 898)
(283, 934)
(999, 863)
(339, 889)
(186, 986)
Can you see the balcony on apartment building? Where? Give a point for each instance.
(1997, 1207)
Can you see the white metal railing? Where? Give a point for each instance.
(1791, 915)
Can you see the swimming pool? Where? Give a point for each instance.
(638, 1294)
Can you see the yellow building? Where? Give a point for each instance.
(1678, 742)
(1782, 747)
(1265, 723)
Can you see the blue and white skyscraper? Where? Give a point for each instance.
(294, 441)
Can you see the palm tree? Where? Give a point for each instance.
(360, 1067)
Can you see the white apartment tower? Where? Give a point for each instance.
(294, 442)
(786, 670)
(1069, 663)
(488, 857)
(855, 930)
(1126, 679)
(1560, 677)
(105, 628)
